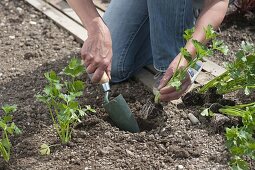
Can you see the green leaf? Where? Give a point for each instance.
(74, 116)
(188, 34)
(10, 129)
(3, 125)
(7, 118)
(220, 46)
(78, 85)
(247, 47)
(77, 94)
(210, 33)
(43, 99)
(4, 152)
(207, 112)
(47, 90)
(9, 108)
(82, 112)
(88, 108)
(51, 91)
(73, 105)
(52, 77)
(44, 149)
(186, 54)
(177, 84)
(240, 164)
(232, 111)
(201, 50)
(75, 68)
(17, 130)
(237, 150)
(74, 63)
(240, 54)
(7, 145)
(232, 133)
(247, 91)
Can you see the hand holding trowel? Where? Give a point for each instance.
(117, 108)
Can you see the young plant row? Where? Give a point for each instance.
(7, 128)
(239, 75)
(61, 95)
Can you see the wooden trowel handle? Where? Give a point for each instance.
(104, 79)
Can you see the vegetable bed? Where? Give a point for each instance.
(30, 45)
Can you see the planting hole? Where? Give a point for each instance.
(151, 116)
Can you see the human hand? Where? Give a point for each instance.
(97, 50)
(168, 93)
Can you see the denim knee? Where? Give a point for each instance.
(118, 74)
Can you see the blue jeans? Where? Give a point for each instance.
(146, 32)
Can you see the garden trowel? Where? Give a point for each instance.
(118, 108)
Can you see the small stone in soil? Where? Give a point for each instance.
(180, 167)
(32, 23)
(129, 152)
(12, 37)
(193, 119)
(219, 120)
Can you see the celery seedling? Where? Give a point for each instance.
(240, 140)
(7, 128)
(240, 74)
(61, 99)
(201, 52)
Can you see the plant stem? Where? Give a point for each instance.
(54, 121)
(212, 82)
(67, 134)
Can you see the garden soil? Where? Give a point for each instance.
(31, 44)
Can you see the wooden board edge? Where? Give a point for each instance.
(64, 8)
(100, 5)
(58, 17)
(212, 67)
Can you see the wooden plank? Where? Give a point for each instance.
(66, 9)
(146, 77)
(74, 28)
(100, 5)
(212, 67)
(151, 69)
(203, 78)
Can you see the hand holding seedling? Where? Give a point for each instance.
(169, 92)
(97, 51)
(176, 80)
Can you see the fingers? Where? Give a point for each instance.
(170, 89)
(108, 70)
(168, 74)
(97, 65)
(170, 93)
(98, 74)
